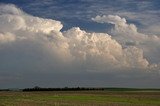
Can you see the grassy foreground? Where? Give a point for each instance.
(80, 98)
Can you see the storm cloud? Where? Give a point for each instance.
(32, 47)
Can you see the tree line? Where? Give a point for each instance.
(61, 89)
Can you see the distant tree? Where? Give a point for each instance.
(37, 87)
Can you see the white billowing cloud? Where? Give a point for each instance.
(7, 37)
(13, 19)
(100, 52)
(120, 28)
(75, 49)
(148, 19)
(124, 32)
(127, 35)
(9, 9)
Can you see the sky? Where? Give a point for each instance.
(85, 43)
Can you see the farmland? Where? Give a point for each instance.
(80, 98)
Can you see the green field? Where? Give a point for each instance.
(80, 98)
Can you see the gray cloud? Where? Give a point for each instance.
(34, 45)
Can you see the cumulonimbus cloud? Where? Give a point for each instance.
(127, 35)
(76, 49)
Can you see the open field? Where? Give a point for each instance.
(80, 98)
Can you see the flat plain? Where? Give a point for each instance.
(80, 98)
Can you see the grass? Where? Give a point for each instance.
(80, 98)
